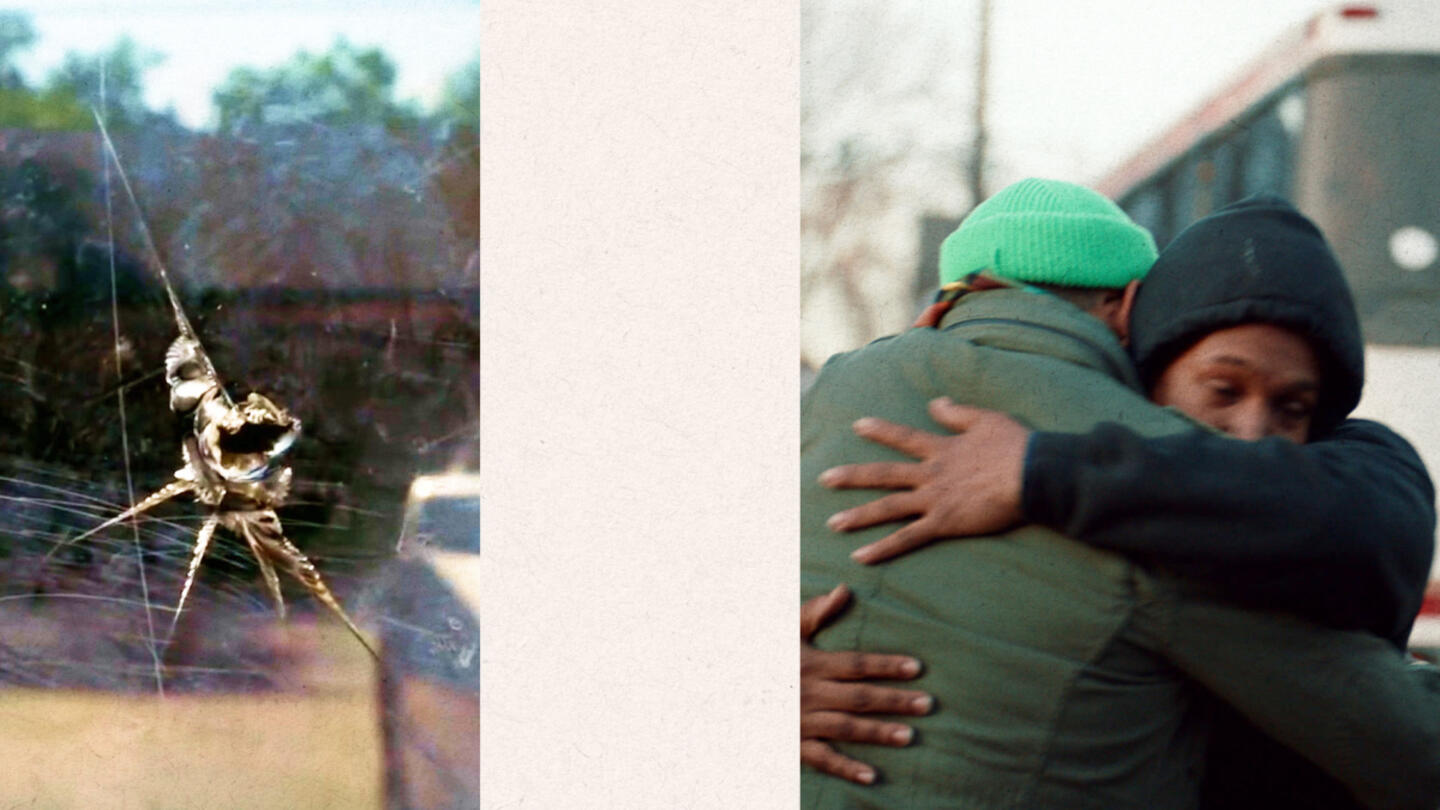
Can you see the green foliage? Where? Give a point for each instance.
(344, 86)
(460, 101)
(456, 169)
(16, 34)
(65, 100)
(121, 95)
(23, 108)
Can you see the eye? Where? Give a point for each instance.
(1297, 409)
(1224, 391)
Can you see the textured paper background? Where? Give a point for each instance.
(639, 403)
(639, 346)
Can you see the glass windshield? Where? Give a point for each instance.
(1368, 173)
(295, 187)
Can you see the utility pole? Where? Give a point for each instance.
(982, 81)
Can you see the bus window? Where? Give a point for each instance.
(1184, 188)
(1147, 207)
(1367, 173)
(1225, 171)
(1270, 150)
(1205, 194)
(1159, 206)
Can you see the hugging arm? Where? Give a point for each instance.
(1348, 701)
(833, 696)
(1340, 530)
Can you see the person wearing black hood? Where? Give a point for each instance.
(1245, 324)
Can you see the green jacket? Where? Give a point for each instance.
(1064, 674)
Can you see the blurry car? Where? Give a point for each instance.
(430, 649)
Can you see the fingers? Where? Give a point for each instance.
(821, 609)
(958, 418)
(862, 698)
(856, 666)
(890, 508)
(875, 475)
(825, 759)
(910, 441)
(905, 539)
(841, 726)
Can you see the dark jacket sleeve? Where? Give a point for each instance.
(1340, 530)
(1347, 701)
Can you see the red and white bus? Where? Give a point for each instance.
(1343, 118)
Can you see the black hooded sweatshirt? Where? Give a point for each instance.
(1339, 530)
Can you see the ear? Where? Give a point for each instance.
(1122, 314)
(1114, 310)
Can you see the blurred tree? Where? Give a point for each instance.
(884, 127)
(20, 105)
(64, 101)
(41, 218)
(78, 84)
(455, 170)
(22, 108)
(16, 35)
(344, 86)
(459, 107)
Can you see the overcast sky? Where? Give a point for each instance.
(1073, 87)
(1076, 86)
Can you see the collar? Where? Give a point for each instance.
(1027, 319)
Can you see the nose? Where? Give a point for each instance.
(1251, 421)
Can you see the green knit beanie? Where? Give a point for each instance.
(1049, 232)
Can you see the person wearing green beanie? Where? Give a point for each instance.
(1043, 339)
(1035, 235)
(1049, 232)
(1056, 684)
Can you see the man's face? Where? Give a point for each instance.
(1249, 381)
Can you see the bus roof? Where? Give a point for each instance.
(1397, 26)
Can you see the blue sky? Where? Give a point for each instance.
(202, 40)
